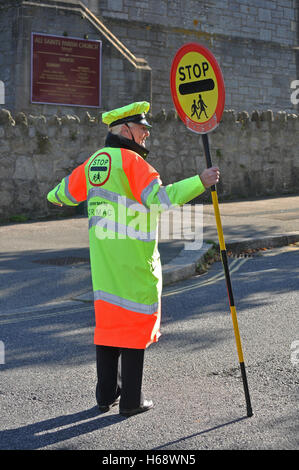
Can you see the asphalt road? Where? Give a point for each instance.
(48, 376)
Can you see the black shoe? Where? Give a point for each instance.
(104, 408)
(147, 405)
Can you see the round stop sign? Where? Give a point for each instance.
(197, 88)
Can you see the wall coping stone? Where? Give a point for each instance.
(229, 116)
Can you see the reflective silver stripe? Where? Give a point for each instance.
(115, 197)
(122, 229)
(67, 191)
(56, 195)
(146, 192)
(124, 303)
(93, 221)
(164, 198)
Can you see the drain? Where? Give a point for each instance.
(241, 255)
(249, 253)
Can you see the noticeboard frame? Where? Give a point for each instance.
(97, 70)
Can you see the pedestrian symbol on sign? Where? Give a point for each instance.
(200, 106)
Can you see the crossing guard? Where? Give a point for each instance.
(120, 188)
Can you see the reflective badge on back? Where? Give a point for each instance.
(99, 169)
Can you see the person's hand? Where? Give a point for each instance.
(210, 176)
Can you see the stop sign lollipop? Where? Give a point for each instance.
(198, 94)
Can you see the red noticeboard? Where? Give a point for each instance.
(65, 70)
(197, 88)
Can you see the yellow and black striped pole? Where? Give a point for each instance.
(227, 278)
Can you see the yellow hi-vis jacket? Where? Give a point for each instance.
(125, 197)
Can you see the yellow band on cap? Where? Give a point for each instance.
(126, 111)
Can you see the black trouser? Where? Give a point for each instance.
(119, 372)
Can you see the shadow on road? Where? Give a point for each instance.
(53, 431)
(46, 433)
(196, 434)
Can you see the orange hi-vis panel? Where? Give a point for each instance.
(125, 197)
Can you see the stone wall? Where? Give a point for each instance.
(257, 155)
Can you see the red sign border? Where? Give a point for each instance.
(212, 123)
(108, 176)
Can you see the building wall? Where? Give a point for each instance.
(257, 155)
(253, 40)
(121, 80)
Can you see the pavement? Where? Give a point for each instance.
(262, 223)
(251, 224)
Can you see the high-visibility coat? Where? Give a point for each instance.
(124, 199)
